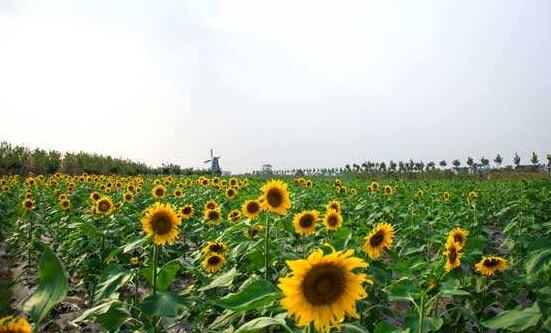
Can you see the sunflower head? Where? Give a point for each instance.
(12, 324)
(187, 211)
(211, 204)
(472, 197)
(134, 262)
(177, 193)
(419, 194)
(458, 236)
(104, 206)
(305, 222)
(322, 289)
(234, 215)
(95, 196)
(388, 190)
(489, 265)
(251, 209)
(276, 197)
(213, 263)
(215, 247)
(28, 204)
(446, 197)
(308, 183)
(161, 223)
(452, 253)
(62, 196)
(212, 216)
(158, 191)
(230, 193)
(378, 240)
(65, 204)
(332, 220)
(128, 196)
(335, 205)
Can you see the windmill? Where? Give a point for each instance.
(214, 165)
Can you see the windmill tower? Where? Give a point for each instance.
(214, 165)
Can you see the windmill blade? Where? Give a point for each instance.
(211, 154)
(207, 161)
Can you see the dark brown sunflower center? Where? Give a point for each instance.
(28, 204)
(104, 206)
(231, 192)
(95, 196)
(458, 238)
(216, 248)
(334, 206)
(210, 205)
(128, 196)
(274, 197)
(161, 224)
(186, 210)
(377, 239)
(253, 207)
(324, 284)
(213, 215)
(452, 255)
(491, 263)
(214, 260)
(332, 220)
(159, 192)
(65, 203)
(306, 221)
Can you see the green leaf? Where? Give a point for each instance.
(253, 295)
(263, 322)
(352, 328)
(515, 320)
(111, 281)
(384, 327)
(454, 292)
(52, 287)
(112, 320)
(131, 246)
(96, 310)
(404, 289)
(538, 260)
(163, 304)
(224, 280)
(167, 274)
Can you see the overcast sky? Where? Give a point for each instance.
(291, 83)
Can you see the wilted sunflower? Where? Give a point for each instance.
(213, 263)
(332, 220)
(65, 204)
(378, 240)
(335, 205)
(158, 191)
(104, 206)
(305, 222)
(251, 209)
(212, 216)
(276, 197)
(215, 248)
(230, 193)
(489, 265)
(211, 204)
(28, 204)
(322, 289)
(234, 215)
(162, 223)
(458, 236)
(453, 254)
(12, 324)
(446, 196)
(187, 211)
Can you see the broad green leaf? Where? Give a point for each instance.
(224, 280)
(96, 310)
(515, 320)
(112, 320)
(52, 286)
(258, 324)
(133, 245)
(167, 274)
(163, 304)
(251, 296)
(538, 260)
(111, 281)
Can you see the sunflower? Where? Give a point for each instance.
(353, 191)
(419, 194)
(472, 197)
(335, 205)
(162, 223)
(14, 325)
(446, 196)
(230, 193)
(28, 204)
(308, 183)
(134, 262)
(453, 254)
(62, 197)
(65, 204)
(95, 196)
(177, 193)
(251, 209)
(158, 191)
(323, 288)
(213, 263)
(458, 236)
(104, 206)
(388, 190)
(205, 181)
(378, 240)
(305, 222)
(489, 265)
(234, 215)
(128, 196)
(233, 181)
(342, 190)
(215, 248)
(332, 220)
(187, 211)
(212, 216)
(276, 197)
(210, 205)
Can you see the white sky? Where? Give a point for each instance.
(291, 83)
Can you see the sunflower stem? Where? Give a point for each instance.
(266, 248)
(422, 313)
(154, 270)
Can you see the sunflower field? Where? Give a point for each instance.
(95, 253)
